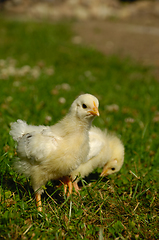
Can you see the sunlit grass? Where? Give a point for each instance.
(123, 206)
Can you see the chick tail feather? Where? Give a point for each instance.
(18, 129)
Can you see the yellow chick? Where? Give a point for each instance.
(53, 152)
(106, 151)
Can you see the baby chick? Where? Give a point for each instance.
(53, 152)
(106, 151)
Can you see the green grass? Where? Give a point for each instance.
(122, 206)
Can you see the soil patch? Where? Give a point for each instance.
(128, 30)
(134, 39)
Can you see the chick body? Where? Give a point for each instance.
(51, 152)
(106, 151)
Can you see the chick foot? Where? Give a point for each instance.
(66, 181)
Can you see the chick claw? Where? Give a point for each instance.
(76, 187)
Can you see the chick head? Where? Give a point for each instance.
(116, 159)
(112, 166)
(85, 106)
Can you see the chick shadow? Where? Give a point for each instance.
(92, 178)
(25, 190)
(14, 185)
(52, 192)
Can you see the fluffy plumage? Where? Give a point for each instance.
(106, 151)
(52, 152)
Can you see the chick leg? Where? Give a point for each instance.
(38, 202)
(69, 187)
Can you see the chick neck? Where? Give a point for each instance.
(76, 123)
(71, 123)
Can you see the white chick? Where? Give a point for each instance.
(52, 152)
(106, 150)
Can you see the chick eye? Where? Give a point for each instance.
(84, 105)
(113, 169)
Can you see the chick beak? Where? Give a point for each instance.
(94, 110)
(104, 173)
